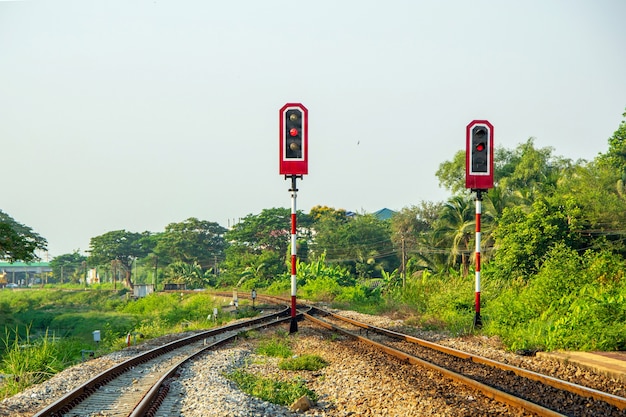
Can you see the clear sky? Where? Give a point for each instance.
(136, 114)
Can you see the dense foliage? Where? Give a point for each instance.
(576, 300)
(68, 267)
(121, 246)
(193, 242)
(17, 241)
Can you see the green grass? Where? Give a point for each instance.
(46, 329)
(267, 389)
(303, 363)
(26, 363)
(274, 347)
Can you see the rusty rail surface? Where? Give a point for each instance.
(487, 390)
(73, 398)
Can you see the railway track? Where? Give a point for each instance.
(536, 393)
(137, 386)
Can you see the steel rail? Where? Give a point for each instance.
(70, 400)
(151, 402)
(617, 401)
(271, 298)
(488, 391)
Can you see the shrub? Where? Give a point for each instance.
(574, 302)
(321, 289)
(354, 295)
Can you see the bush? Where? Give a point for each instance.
(320, 289)
(574, 302)
(356, 295)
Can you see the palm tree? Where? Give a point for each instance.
(428, 254)
(456, 228)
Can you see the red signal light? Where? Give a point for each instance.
(293, 132)
(479, 155)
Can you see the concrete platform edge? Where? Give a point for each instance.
(594, 361)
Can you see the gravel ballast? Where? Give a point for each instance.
(358, 381)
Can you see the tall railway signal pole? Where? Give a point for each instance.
(293, 163)
(478, 178)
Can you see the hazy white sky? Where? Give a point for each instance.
(136, 114)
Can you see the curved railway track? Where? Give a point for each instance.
(137, 386)
(536, 393)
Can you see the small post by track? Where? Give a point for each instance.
(293, 139)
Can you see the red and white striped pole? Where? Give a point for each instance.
(477, 320)
(294, 323)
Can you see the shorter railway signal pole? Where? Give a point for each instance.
(478, 178)
(293, 163)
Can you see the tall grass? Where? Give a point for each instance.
(28, 362)
(45, 330)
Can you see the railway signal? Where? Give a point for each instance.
(293, 139)
(478, 178)
(293, 163)
(479, 155)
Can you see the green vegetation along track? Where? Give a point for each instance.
(128, 389)
(539, 394)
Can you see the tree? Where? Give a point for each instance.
(262, 241)
(122, 246)
(191, 274)
(17, 241)
(457, 227)
(269, 230)
(362, 243)
(192, 241)
(67, 267)
(324, 222)
(324, 213)
(602, 206)
(451, 174)
(525, 172)
(410, 228)
(615, 157)
(523, 239)
(529, 170)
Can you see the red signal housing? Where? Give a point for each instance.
(293, 139)
(479, 155)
